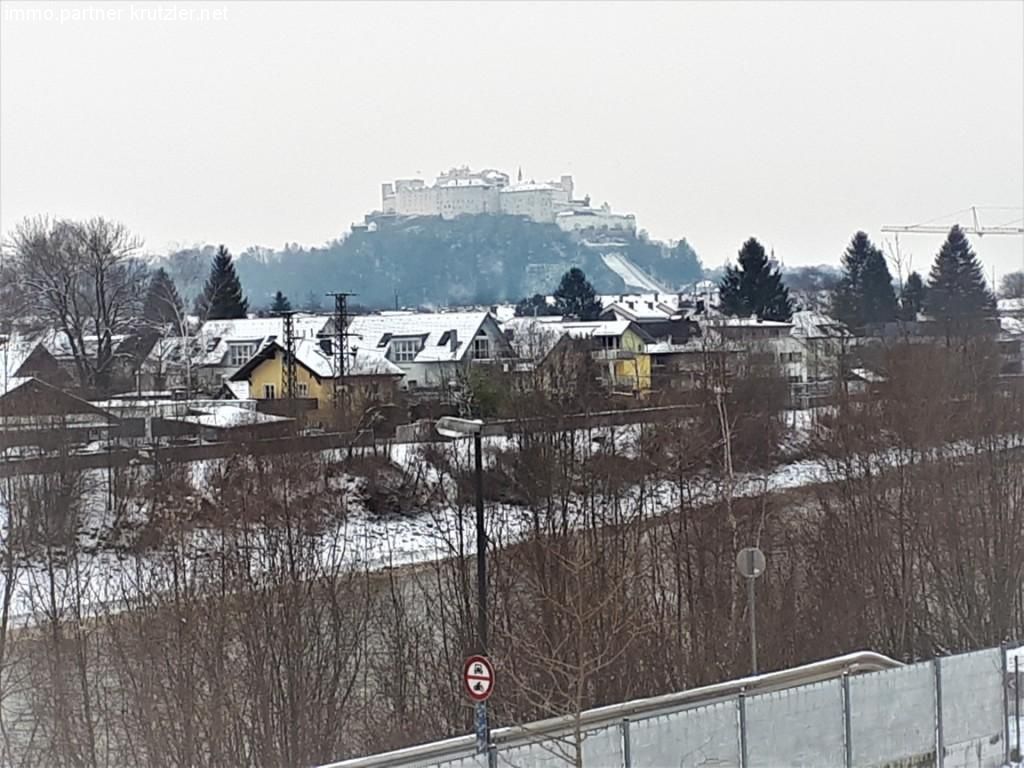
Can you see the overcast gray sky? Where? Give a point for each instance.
(267, 123)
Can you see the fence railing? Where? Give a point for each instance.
(862, 709)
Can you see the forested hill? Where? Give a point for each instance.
(431, 261)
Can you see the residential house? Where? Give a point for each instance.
(432, 350)
(27, 356)
(618, 346)
(369, 377)
(658, 315)
(227, 345)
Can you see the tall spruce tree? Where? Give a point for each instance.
(864, 294)
(280, 303)
(162, 305)
(755, 287)
(912, 297)
(576, 296)
(957, 292)
(222, 297)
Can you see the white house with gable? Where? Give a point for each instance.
(430, 348)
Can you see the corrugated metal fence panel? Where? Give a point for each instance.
(972, 708)
(893, 716)
(600, 747)
(603, 748)
(696, 737)
(797, 727)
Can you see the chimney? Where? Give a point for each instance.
(453, 340)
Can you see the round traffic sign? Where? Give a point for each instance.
(750, 562)
(478, 678)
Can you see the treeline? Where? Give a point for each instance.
(247, 619)
(430, 261)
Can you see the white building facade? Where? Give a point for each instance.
(461, 191)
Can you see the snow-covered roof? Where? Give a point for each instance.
(810, 324)
(867, 375)
(749, 322)
(360, 362)
(216, 336)
(11, 383)
(230, 416)
(641, 311)
(58, 344)
(1012, 326)
(1010, 305)
(238, 389)
(534, 337)
(15, 351)
(376, 332)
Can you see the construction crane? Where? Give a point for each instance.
(930, 228)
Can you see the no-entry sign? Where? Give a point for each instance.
(478, 677)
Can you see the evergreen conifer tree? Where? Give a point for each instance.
(280, 303)
(162, 305)
(913, 296)
(222, 297)
(576, 296)
(957, 292)
(864, 294)
(755, 287)
(535, 305)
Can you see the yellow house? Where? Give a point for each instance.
(620, 346)
(369, 376)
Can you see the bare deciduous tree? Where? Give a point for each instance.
(82, 280)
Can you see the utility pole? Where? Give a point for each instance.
(289, 369)
(341, 336)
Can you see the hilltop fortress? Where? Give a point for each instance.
(461, 191)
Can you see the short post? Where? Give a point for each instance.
(752, 607)
(1016, 704)
(1006, 704)
(940, 744)
(627, 755)
(750, 564)
(741, 703)
(847, 722)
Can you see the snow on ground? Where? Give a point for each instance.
(366, 540)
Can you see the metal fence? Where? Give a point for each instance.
(952, 712)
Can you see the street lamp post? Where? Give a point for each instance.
(455, 428)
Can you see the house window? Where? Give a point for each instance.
(302, 389)
(481, 348)
(610, 342)
(405, 350)
(240, 354)
(269, 391)
(791, 357)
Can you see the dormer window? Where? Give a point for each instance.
(405, 350)
(240, 353)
